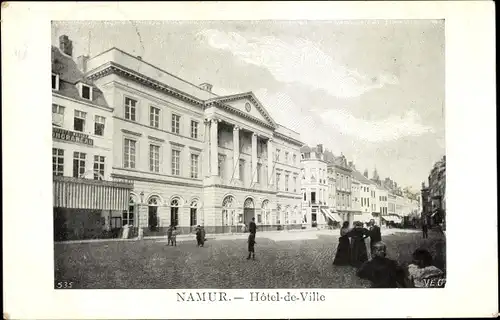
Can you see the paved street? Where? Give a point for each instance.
(284, 260)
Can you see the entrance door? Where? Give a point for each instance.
(153, 218)
(248, 211)
(248, 214)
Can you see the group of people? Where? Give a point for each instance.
(373, 264)
(352, 248)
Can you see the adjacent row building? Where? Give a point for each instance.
(334, 191)
(148, 150)
(434, 194)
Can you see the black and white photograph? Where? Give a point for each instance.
(249, 154)
(273, 160)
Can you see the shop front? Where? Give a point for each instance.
(88, 209)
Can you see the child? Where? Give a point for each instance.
(169, 235)
(421, 271)
(174, 236)
(251, 246)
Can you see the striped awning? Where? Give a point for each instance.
(76, 193)
(332, 215)
(392, 218)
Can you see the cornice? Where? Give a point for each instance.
(115, 68)
(288, 139)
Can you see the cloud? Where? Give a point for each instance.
(391, 128)
(298, 61)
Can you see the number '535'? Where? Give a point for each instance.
(64, 284)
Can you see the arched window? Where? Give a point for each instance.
(153, 203)
(266, 212)
(249, 203)
(174, 212)
(193, 208)
(128, 216)
(228, 211)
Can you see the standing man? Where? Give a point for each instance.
(425, 230)
(251, 239)
(375, 235)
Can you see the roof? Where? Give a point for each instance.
(70, 76)
(305, 149)
(361, 178)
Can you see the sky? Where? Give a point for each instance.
(371, 89)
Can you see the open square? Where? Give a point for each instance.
(281, 262)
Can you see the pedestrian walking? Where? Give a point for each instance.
(198, 236)
(174, 236)
(375, 234)
(343, 254)
(425, 230)
(252, 228)
(358, 246)
(382, 271)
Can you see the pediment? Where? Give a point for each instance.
(246, 105)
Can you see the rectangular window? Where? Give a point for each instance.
(176, 119)
(221, 167)
(78, 164)
(86, 92)
(194, 166)
(294, 159)
(194, 129)
(242, 170)
(154, 117)
(286, 182)
(294, 184)
(55, 81)
(278, 154)
(98, 167)
(286, 157)
(154, 158)
(57, 162)
(57, 115)
(130, 108)
(128, 217)
(176, 158)
(278, 181)
(99, 125)
(129, 153)
(79, 121)
(259, 170)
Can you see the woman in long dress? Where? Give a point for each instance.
(359, 254)
(343, 254)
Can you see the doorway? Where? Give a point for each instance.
(248, 211)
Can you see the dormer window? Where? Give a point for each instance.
(55, 81)
(86, 92)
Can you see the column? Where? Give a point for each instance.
(214, 149)
(205, 158)
(236, 152)
(254, 158)
(269, 162)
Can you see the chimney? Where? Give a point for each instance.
(206, 86)
(81, 62)
(320, 148)
(66, 45)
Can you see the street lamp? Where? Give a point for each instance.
(139, 230)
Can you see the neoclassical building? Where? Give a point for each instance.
(195, 158)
